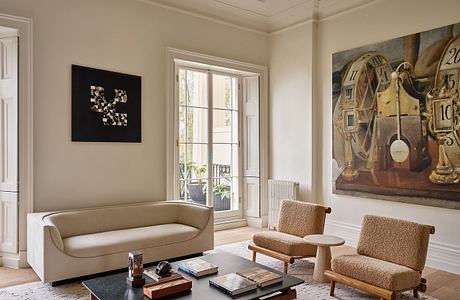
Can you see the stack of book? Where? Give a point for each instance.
(198, 267)
(167, 287)
(150, 272)
(261, 276)
(242, 282)
(233, 284)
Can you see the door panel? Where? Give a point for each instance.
(8, 115)
(251, 176)
(9, 222)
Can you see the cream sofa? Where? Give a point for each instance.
(69, 244)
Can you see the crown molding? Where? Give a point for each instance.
(244, 19)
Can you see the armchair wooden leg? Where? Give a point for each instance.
(415, 293)
(254, 254)
(331, 292)
(286, 265)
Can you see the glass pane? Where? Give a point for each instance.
(221, 132)
(222, 194)
(224, 92)
(197, 166)
(194, 88)
(183, 125)
(235, 160)
(197, 192)
(222, 164)
(235, 126)
(234, 94)
(181, 89)
(193, 125)
(235, 193)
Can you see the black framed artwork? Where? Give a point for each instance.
(106, 106)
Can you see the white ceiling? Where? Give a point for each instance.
(262, 15)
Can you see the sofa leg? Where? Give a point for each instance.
(415, 293)
(331, 292)
(286, 265)
(254, 254)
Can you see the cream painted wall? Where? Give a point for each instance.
(380, 21)
(290, 108)
(122, 35)
(301, 129)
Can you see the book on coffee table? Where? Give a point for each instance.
(198, 267)
(261, 276)
(150, 272)
(233, 284)
(162, 289)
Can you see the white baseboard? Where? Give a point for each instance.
(441, 256)
(14, 261)
(224, 225)
(257, 222)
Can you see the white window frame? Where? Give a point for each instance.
(216, 64)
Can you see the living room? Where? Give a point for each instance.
(233, 105)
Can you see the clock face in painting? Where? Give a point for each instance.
(354, 111)
(446, 110)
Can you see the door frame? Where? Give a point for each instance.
(174, 55)
(24, 27)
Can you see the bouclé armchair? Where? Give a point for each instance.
(296, 220)
(391, 257)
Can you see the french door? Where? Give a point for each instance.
(208, 152)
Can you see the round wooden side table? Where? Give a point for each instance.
(323, 253)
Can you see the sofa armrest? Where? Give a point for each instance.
(195, 215)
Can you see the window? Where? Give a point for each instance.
(208, 138)
(216, 109)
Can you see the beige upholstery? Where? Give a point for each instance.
(284, 243)
(301, 218)
(296, 220)
(391, 257)
(70, 244)
(398, 241)
(376, 272)
(103, 243)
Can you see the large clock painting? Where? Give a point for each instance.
(396, 118)
(106, 106)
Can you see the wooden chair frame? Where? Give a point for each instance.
(287, 259)
(372, 289)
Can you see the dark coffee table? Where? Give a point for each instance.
(114, 286)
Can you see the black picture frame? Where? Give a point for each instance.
(106, 106)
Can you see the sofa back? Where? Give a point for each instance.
(398, 241)
(87, 221)
(301, 218)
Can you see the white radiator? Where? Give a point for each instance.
(277, 191)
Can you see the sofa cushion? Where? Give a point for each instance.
(376, 272)
(284, 243)
(124, 240)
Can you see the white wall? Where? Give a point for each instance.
(372, 24)
(294, 127)
(290, 108)
(122, 35)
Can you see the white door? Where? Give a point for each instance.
(9, 144)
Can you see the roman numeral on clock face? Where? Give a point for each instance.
(353, 75)
(376, 60)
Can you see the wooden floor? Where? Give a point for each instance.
(442, 285)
